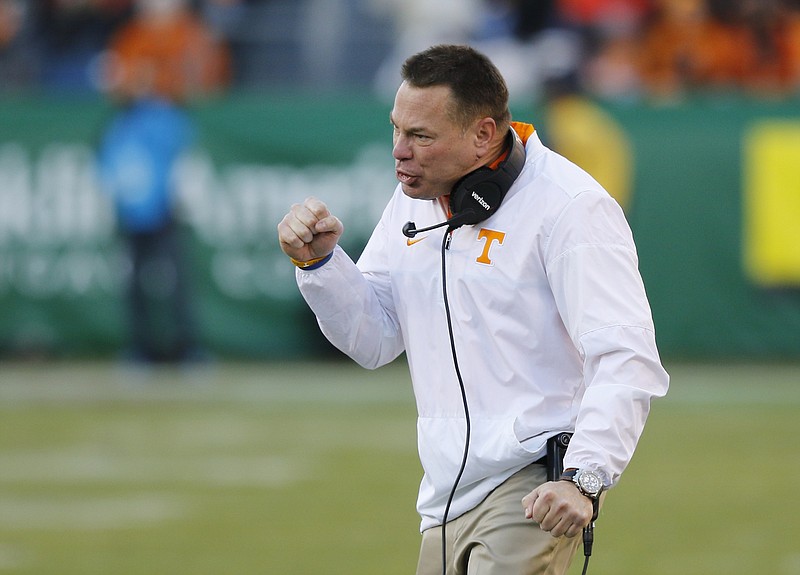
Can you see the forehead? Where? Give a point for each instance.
(416, 108)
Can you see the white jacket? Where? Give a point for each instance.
(552, 329)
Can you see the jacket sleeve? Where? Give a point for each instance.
(594, 276)
(355, 309)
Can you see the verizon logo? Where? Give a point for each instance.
(481, 201)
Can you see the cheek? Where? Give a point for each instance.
(443, 164)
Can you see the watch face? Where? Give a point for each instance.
(589, 482)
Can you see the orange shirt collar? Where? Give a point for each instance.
(524, 132)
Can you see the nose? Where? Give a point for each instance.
(401, 150)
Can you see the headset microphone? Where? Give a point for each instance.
(410, 230)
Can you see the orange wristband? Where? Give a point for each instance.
(310, 263)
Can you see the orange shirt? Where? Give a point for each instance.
(174, 59)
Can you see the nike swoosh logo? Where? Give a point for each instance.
(411, 242)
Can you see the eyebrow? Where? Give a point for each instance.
(413, 129)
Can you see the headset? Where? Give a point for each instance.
(478, 195)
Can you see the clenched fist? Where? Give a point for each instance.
(309, 231)
(559, 508)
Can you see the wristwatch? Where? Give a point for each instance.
(586, 480)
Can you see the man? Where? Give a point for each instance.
(539, 325)
(160, 60)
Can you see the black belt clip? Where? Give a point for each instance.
(556, 449)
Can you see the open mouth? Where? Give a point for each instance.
(406, 179)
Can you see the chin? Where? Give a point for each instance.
(420, 193)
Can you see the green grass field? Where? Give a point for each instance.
(311, 468)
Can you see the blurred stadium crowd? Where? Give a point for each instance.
(611, 48)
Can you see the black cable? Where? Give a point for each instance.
(588, 539)
(588, 535)
(445, 242)
(588, 531)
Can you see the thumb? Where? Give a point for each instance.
(528, 502)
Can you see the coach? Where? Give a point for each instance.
(510, 279)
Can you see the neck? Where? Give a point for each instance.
(497, 151)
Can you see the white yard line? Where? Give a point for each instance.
(70, 467)
(91, 513)
(337, 384)
(259, 384)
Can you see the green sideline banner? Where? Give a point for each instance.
(63, 268)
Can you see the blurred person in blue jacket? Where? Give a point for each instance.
(137, 154)
(157, 63)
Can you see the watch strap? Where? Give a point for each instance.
(568, 474)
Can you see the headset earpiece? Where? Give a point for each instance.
(482, 191)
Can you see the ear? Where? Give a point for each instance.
(485, 130)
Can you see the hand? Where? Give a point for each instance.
(559, 508)
(309, 231)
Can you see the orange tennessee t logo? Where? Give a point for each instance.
(489, 237)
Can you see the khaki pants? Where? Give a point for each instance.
(496, 539)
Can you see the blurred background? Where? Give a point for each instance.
(148, 148)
